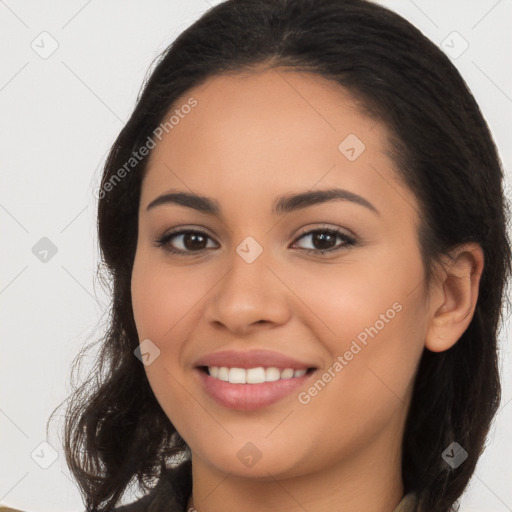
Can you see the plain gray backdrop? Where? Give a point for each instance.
(70, 74)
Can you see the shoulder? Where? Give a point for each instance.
(169, 495)
(408, 503)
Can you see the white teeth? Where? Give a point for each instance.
(287, 373)
(253, 375)
(223, 373)
(272, 374)
(237, 376)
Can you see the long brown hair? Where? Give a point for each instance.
(115, 429)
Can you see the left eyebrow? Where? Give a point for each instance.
(282, 205)
(289, 203)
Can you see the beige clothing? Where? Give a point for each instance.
(174, 488)
(406, 505)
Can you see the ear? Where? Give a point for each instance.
(453, 296)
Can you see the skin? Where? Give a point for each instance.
(253, 137)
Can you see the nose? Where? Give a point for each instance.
(248, 296)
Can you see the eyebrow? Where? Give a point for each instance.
(283, 204)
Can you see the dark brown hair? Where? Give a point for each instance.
(115, 429)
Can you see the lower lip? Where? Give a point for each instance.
(248, 397)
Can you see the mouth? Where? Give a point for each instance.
(256, 375)
(249, 389)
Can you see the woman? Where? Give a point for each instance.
(304, 222)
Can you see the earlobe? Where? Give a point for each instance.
(455, 294)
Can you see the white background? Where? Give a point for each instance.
(59, 117)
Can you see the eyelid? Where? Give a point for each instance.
(349, 239)
(327, 227)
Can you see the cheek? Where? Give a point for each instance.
(367, 315)
(345, 298)
(161, 314)
(372, 314)
(162, 297)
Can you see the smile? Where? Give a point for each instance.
(247, 389)
(253, 375)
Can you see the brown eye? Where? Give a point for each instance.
(324, 240)
(192, 242)
(189, 242)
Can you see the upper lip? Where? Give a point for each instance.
(251, 359)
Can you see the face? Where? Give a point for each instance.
(337, 286)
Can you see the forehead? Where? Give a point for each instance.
(267, 112)
(273, 130)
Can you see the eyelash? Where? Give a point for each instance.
(163, 241)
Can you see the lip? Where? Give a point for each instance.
(251, 359)
(249, 397)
